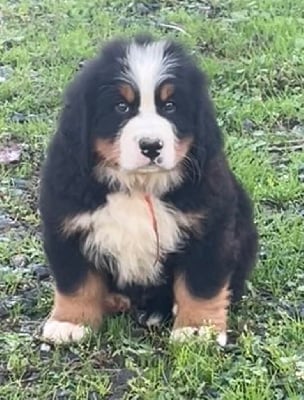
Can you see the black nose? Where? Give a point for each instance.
(151, 148)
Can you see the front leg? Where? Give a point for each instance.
(201, 285)
(85, 307)
(194, 315)
(81, 295)
(73, 312)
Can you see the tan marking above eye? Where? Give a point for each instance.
(166, 91)
(127, 92)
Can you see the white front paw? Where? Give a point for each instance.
(183, 334)
(206, 333)
(63, 332)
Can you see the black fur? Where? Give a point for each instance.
(228, 246)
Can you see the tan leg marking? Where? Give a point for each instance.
(195, 315)
(116, 303)
(72, 313)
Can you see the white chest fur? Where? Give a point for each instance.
(123, 229)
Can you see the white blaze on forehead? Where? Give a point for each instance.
(147, 67)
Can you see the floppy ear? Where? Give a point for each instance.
(74, 124)
(208, 138)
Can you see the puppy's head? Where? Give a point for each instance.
(145, 108)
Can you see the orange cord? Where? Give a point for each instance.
(155, 226)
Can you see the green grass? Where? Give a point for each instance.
(253, 52)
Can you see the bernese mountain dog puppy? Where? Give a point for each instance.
(140, 209)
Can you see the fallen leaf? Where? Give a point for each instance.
(5, 73)
(10, 153)
(18, 117)
(298, 130)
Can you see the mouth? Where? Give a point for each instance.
(150, 168)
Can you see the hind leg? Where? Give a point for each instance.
(153, 306)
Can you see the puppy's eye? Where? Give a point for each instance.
(169, 107)
(122, 108)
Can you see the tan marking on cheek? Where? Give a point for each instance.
(86, 306)
(182, 148)
(166, 91)
(108, 151)
(196, 312)
(127, 92)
